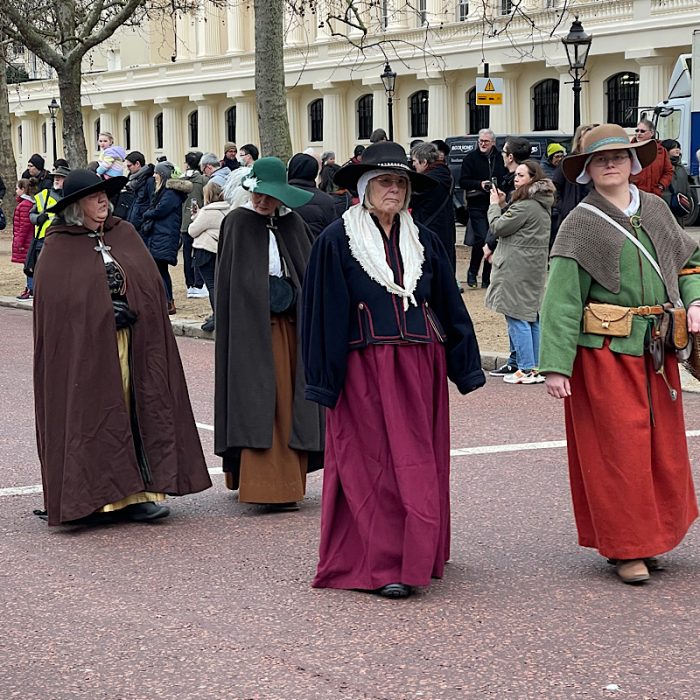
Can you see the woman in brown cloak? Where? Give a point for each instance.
(115, 430)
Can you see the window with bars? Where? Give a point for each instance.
(158, 130)
(418, 108)
(231, 124)
(365, 116)
(385, 14)
(316, 120)
(479, 115)
(545, 97)
(506, 7)
(127, 133)
(622, 93)
(193, 128)
(462, 10)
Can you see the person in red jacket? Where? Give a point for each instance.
(655, 178)
(23, 228)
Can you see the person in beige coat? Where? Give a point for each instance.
(204, 228)
(520, 263)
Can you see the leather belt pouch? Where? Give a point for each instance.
(607, 319)
(677, 330)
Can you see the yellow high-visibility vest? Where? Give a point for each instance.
(43, 201)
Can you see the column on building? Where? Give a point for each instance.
(108, 121)
(173, 142)
(30, 141)
(566, 99)
(380, 113)
(208, 30)
(335, 133)
(440, 117)
(295, 122)
(505, 118)
(237, 28)
(246, 117)
(208, 136)
(438, 11)
(140, 134)
(398, 15)
(295, 30)
(654, 75)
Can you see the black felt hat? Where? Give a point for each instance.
(81, 183)
(385, 155)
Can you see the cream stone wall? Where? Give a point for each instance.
(205, 62)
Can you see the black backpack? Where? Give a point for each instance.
(123, 202)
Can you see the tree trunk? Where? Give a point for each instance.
(69, 88)
(270, 93)
(8, 164)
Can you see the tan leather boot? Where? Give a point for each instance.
(632, 570)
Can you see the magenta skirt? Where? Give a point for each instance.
(385, 514)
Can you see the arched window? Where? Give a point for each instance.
(479, 115)
(622, 96)
(231, 124)
(98, 130)
(418, 107)
(127, 133)
(506, 7)
(365, 116)
(193, 128)
(421, 13)
(462, 10)
(44, 139)
(545, 97)
(158, 129)
(316, 120)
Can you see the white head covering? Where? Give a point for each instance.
(584, 178)
(371, 174)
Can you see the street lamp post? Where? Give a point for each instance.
(577, 44)
(389, 81)
(53, 109)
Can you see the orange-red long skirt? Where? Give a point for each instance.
(631, 482)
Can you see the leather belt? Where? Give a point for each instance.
(647, 310)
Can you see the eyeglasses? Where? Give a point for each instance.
(641, 131)
(485, 141)
(504, 152)
(603, 161)
(389, 181)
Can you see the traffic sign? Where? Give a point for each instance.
(489, 91)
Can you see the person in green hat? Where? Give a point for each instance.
(267, 434)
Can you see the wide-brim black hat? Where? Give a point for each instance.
(81, 183)
(386, 155)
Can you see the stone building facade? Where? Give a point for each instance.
(188, 82)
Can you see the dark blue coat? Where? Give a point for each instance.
(344, 309)
(160, 229)
(142, 186)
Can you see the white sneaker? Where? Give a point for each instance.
(195, 293)
(520, 377)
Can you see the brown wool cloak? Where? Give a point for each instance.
(244, 396)
(84, 436)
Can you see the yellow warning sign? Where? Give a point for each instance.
(489, 91)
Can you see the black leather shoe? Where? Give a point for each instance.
(141, 512)
(395, 590)
(471, 281)
(208, 325)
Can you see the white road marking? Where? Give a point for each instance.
(459, 452)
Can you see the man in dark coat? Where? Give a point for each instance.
(433, 208)
(36, 169)
(479, 168)
(321, 210)
(139, 188)
(95, 449)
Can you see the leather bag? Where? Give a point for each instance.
(283, 294)
(607, 319)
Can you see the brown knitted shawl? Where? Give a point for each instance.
(596, 245)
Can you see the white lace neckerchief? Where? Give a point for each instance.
(367, 247)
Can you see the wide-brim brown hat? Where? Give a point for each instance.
(81, 183)
(385, 155)
(606, 137)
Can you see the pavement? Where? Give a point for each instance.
(215, 602)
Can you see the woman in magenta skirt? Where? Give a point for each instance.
(383, 327)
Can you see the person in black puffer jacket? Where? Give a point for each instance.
(321, 210)
(160, 229)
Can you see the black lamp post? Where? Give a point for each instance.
(53, 108)
(577, 44)
(389, 81)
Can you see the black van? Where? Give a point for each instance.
(461, 145)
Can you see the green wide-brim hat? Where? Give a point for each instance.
(269, 176)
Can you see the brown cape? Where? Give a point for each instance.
(244, 397)
(84, 435)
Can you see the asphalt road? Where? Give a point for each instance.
(215, 601)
